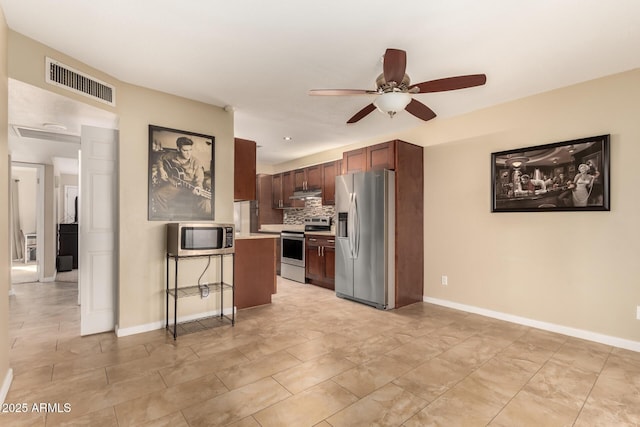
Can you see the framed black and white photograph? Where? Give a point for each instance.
(562, 176)
(181, 175)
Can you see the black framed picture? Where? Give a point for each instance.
(562, 176)
(181, 175)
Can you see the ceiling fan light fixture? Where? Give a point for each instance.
(392, 102)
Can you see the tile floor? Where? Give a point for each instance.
(311, 359)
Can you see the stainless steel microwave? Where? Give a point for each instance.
(194, 239)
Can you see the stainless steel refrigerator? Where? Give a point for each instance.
(365, 238)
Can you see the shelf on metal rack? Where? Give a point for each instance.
(200, 324)
(191, 291)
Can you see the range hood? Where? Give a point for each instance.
(309, 194)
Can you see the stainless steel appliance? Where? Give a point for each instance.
(365, 238)
(293, 248)
(292, 255)
(187, 239)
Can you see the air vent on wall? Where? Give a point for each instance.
(64, 76)
(27, 132)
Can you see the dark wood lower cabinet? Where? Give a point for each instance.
(320, 260)
(255, 271)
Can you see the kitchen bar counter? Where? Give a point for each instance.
(320, 233)
(277, 228)
(251, 236)
(255, 270)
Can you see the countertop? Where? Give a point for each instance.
(250, 236)
(320, 233)
(277, 228)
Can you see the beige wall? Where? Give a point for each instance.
(574, 269)
(141, 242)
(50, 231)
(5, 277)
(27, 196)
(568, 269)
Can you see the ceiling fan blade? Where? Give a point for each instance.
(394, 65)
(420, 110)
(451, 83)
(341, 92)
(362, 113)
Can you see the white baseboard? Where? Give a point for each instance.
(48, 279)
(6, 384)
(123, 332)
(551, 327)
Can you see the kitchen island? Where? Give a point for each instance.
(255, 269)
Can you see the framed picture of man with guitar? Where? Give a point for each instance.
(180, 175)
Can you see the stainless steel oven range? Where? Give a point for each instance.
(293, 251)
(292, 257)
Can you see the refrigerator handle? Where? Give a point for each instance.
(350, 230)
(356, 228)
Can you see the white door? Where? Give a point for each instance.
(98, 229)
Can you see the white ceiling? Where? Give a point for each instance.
(262, 57)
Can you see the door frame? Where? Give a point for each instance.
(39, 217)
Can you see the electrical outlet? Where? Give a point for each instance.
(638, 312)
(444, 280)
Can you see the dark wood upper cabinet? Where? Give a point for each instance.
(283, 185)
(309, 178)
(244, 175)
(288, 188)
(374, 157)
(276, 185)
(354, 161)
(329, 172)
(381, 156)
(314, 177)
(266, 213)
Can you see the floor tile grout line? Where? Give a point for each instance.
(593, 386)
(527, 382)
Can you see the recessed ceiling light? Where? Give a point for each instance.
(56, 126)
(287, 138)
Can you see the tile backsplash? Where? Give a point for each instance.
(312, 208)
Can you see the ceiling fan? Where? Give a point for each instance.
(394, 89)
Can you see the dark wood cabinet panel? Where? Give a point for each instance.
(409, 224)
(266, 213)
(309, 178)
(288, 188)
(329, 273)
(317, 177)
(320, 260)
(354, 161)
(314, 177)
(276, 185)
(244, 182)
(254, 272)
(374, 157)
(381, 156)
(313, 259)
(329, 172)
(299, 179)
